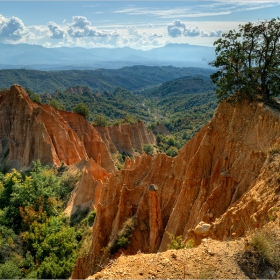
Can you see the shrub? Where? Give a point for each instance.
(178, 243)
(123, 236)
(99, 120)
(69, 180)
(10, 270)
(56, 104)
(267, 243)
(148, 149)
(36, 98)
(129, 119)
(91, 217)
(172, 152)
(175, 242)
(123, 242)
(82, 109)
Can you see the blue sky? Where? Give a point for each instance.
(136, 24)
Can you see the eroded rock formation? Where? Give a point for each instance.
(216, 176)
(258, 205)
(126, 137)
(30, 131)
(87, 191)
(160, 129)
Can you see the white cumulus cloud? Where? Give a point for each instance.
(81, 27)
(56, 31)
(12, 29)
(178, 28)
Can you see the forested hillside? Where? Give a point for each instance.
(184, 105)
(133, 78)
(113, 105)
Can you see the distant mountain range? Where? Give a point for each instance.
(64, 58)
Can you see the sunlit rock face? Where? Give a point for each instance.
(30, 131)
(126, 138)
(215, 177)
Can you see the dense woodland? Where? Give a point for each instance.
(36, 239)
(135, 78)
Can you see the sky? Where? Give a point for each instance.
(136, 24)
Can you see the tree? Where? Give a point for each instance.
(248, 62)
(172, 152)
(148, 149)
(82, 109)
(56, 104)
(36, 98)
(129, 119)
(100, 120)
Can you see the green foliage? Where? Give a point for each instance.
(10, 270)
(168, 144)
(91, 217)
(182, 86)
(183, 105)
(135, 78)
(129, 119)
(34, 96)
(119, 159)
(123, 236)
(248, 62)
(36, 240)
(112, 106)
(99, 120)
(82, 109)
(175, 242)
(190, 244)
(56, 104)
(123, 242)
(148, 149)
(172, 152)
(267, 243)
(68, 181)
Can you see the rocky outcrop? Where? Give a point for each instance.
(87, 191)
(259, 204)
(206, 182)
(160, 129)
(126, 138)
(30, 131)
(78, 90)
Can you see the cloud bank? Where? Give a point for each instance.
(81, 32)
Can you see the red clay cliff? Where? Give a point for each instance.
(221, 170)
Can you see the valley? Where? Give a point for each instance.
(139, 139)
(224, 175)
